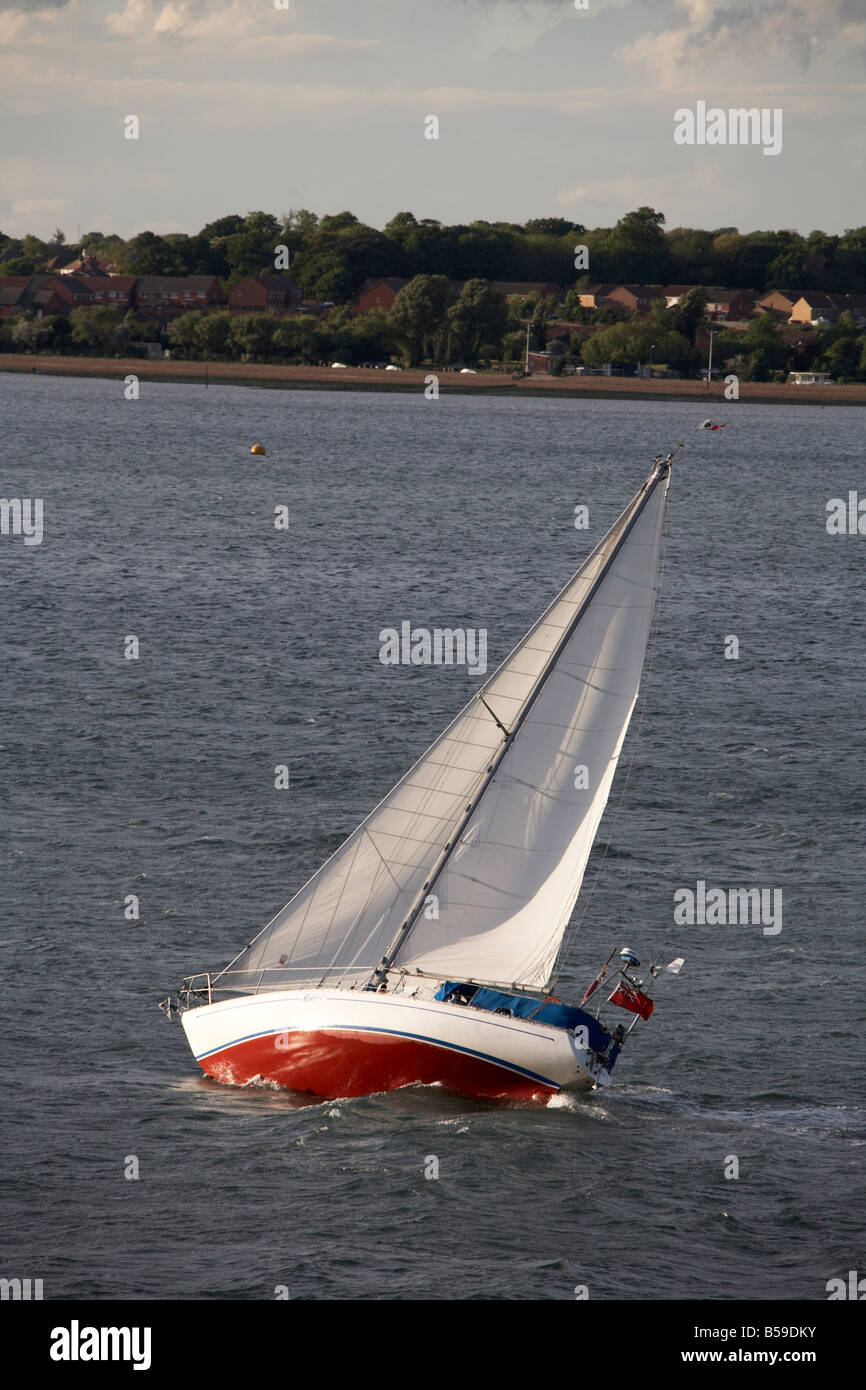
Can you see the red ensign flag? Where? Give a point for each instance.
(633, 1000)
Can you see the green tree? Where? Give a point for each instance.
(420, 317)
(573, 306)
(196, 255)
(608, 345)
(842, 358)
(851, 259)
(252, 250)
(323, 276)
(252, 336)
(223, 226)
(60, 333)
(148, 254)
(840, 348)
(108, 249)
(764, 348)
(129, 330)
(213, 336)
(338, 222)
(686, 316)
(401, 226)
(94, 328)
(553, 227)
(183, 334)
(639, 341)
(335, 334)
(638, 248)
(726, 346)
(691, 255)
(295, 339)
(300, 222)
(30, 334)
(514, 346)
(479, 316)
(372, 335)
(37, 250)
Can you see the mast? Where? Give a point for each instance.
(660, 472)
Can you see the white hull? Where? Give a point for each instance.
(333, 1042)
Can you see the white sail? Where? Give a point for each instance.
(505, 893)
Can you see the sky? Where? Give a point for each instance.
(544, 110)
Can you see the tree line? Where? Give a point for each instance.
(331, 256)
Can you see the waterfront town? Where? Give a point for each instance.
(305, 291)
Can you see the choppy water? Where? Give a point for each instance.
(259, 647)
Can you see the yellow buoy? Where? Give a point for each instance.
(258, 449)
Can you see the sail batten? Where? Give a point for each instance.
(470, 866)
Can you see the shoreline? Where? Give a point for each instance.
(450, 383)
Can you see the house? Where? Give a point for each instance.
(779, 303)
(816, 306)
(379, 294)
(722, 305)
(810, 379)
(636, 298)
(115, 291)
(71, 287)
(541, 362)
(35, 294)
(83, 264)
(70, 290)
(595, 296)
(63, 259)
(12, 289)
(263, 292)
(176, 293)
(674, 293)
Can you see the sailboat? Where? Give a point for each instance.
(425, 949)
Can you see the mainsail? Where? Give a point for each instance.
(470, 867)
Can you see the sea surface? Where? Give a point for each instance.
(125, 1172)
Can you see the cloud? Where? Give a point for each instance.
(737, 33)
(191, 19)
(633, 189)
(36, 207)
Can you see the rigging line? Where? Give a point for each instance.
(572, 931)
(498, 721)
(361, 912)
(311, 899)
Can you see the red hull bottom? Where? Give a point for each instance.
(344, 1063)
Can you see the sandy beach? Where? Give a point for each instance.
(361, 379)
